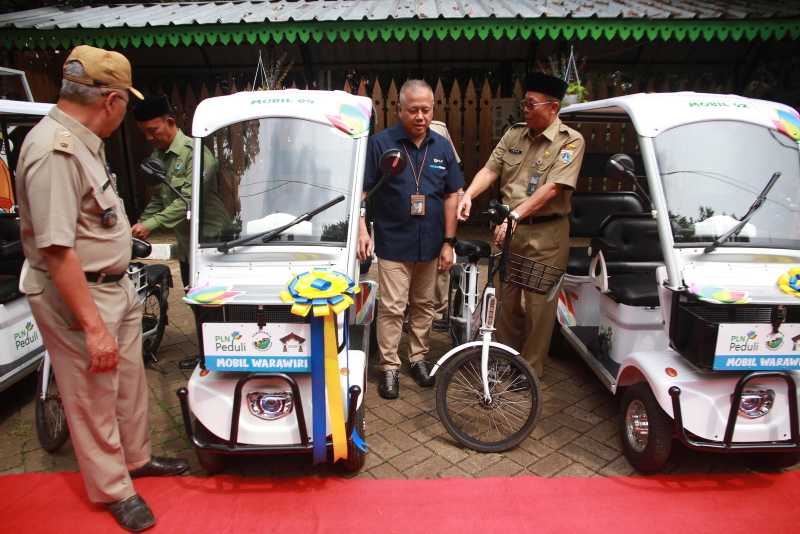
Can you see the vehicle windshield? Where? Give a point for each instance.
(713, 171)
(266, 172)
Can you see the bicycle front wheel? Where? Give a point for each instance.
(49, 416)
(496, 425)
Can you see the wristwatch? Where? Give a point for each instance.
(451, 241)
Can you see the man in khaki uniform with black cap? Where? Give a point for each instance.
(537, 162)
(77, 244)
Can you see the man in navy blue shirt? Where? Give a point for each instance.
(415, 229)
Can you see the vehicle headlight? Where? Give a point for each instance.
(756, 403)
(270, 406)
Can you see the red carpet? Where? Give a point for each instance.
(727, 504)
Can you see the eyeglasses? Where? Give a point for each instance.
(526, 105)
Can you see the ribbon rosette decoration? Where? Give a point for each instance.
(789, 282)
(326, 294)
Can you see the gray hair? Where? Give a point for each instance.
(411, 86)
(78, 92)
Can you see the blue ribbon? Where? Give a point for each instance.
(318, 409)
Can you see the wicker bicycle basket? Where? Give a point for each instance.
(530, 274)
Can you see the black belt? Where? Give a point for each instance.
(541, 219)
(104, 278)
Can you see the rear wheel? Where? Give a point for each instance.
(51, 421)
(646, 430)
(154, 318)
(497, 425)
(210, 462)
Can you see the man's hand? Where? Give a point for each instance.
(500, 232)
(103, 350)
(140, 231)
(365, 245)
(464, 207)
(446, 257)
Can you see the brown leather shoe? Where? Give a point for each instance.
(159, 466)
(132, 514)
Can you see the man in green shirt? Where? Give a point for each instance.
(174, 149)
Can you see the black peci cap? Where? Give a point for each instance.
(539, 82)
(152, 107)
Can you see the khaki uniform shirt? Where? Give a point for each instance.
(167, 210)
(64, 187)
(524, 163)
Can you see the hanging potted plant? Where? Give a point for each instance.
(567, 70)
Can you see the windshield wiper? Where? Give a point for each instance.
(269, 235)
(757, 203)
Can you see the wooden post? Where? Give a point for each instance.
(391, 107)
(469, 152)
(454, 116)
(379, 106)
(440, 105)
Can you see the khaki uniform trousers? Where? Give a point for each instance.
(404, 284)
(106, 412)
(526, 319)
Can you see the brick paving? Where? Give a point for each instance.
(575, 436)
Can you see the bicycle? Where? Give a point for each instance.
(152, 283)
(487, 395)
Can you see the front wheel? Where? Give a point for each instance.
(355, 456)
(210, 462)
(488, 426)
(646, 430)
(51, 421)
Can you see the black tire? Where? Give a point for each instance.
(459, 384)
(355, 456)
(51, 421)
(154, 319)
(775, 460)
(645, 429)
(210, 462)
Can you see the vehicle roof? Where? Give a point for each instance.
(20, 107)
(653, 113)
(349, 113)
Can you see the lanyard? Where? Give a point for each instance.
(417, 175)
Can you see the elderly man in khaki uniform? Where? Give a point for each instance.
(537, 162)
(77, 244)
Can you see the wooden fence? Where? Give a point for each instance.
(466, 106)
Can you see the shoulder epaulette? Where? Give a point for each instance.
(63, 141)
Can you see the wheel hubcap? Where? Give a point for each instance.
(636, 425)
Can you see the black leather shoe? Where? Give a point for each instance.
(132, 514)
(159, 466)
(389, 386)
(419, 370)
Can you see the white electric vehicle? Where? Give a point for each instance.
(685, 303)
(289, 174)
(21, 347)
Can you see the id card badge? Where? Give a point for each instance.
(532, 183)
(417, 205)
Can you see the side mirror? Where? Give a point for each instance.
(154, 170)
(620, 166)
(140, 248)
(392, 162)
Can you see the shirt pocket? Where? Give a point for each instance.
(511, 162)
